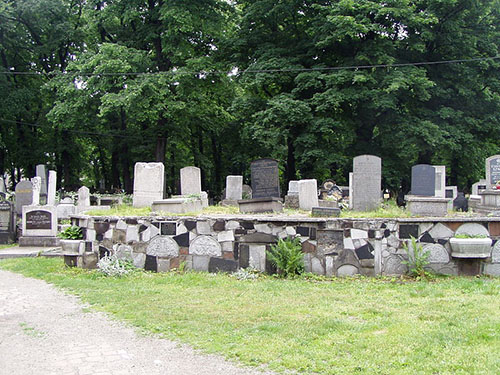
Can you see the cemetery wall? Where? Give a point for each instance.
(332, 247)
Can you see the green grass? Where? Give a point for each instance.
(121, 210)
(344, 326)
(6, 246)
(388, 209)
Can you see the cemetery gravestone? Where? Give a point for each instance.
(293, 188)
(3, 189)
(440, 183)
(492, 170)
(39, 226)
(37, 183)
(423, 180)
(190, 181)
(24, 195)
(265, 178)
(51, 189)
(234, 187)
(41, 171)
(478, 187)
(148, 183)
(6, 222)
(84, 197)
(367, 182)
(308, 194)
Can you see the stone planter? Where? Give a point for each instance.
(71, 247)
(470, 247)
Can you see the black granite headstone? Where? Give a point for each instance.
(423, 180)
(39, 219)
(448, 193)
(265, 178)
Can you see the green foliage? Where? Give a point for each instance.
(287, 256)
(417, 259)
(465, 235)
(71, 233)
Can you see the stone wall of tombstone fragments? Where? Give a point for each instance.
(332, 247)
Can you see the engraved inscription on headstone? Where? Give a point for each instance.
(265, 178)
(163, 246)
(493, 169)
(38, 219)
(367, 182)
(423, 180)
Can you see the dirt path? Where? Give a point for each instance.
(44, 331)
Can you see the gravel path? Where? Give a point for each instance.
(44, 331)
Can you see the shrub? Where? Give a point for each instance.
(71, 233)
(417, 259)
(112, 266)
(287, 256)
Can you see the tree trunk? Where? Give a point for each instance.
(290, 170)
(125, 160)
(216, 151)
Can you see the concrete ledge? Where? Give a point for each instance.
(261, 205)
(177, 205)
(39, 241)
(427, 206)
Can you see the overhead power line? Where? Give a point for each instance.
(254, 71)
(115, 135)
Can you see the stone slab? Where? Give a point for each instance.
(308, 194)
(148, 183)
(39, 221)
(190, 180)
(260, 205)
(367, 182)
(423, 180)
(265, 178)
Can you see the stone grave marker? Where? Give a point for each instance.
(350, 189)
(423, 180)
(37, 184)
(308, 194)
(3, 188)
(24, 195)
(440, 183)
(148, 183)
(293, 188)
(41, 171)
(84, 197)
(265, 178)
(478, 187)
(492, 170)
(39, 221)
(51, 189)
(190, 181)
(234, 188)
(367, 182)
(6, 222)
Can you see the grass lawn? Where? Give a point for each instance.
(344, 326)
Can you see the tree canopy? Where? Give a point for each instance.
(91, 87)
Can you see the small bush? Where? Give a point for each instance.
(417, 259)
(71, 233)
(287, 256)
(112, 266)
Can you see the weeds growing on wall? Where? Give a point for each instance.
(418, 258)
(287, 256)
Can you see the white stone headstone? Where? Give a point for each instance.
(234, 187)
(440, 185)
(366, 182)
(84, 197)
(476, 187)
(190, 181)
(308, 194)
(36, 183)
(293, 187)
(2, 185)
(39, 221)
(148, 183)
(51, 190)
